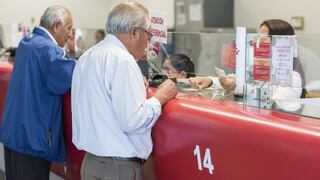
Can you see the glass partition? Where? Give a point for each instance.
(213, 54)
(279, 69)
(281, 73)
(206, 51)
(309, 55)
(270, 72)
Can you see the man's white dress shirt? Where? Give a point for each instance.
(110, 113)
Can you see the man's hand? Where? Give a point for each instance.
(166, 91)
(200, 82)
(228, 83)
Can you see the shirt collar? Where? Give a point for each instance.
(115, 40)
(49, 34)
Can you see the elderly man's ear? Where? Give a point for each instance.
(56, 26)
(133, 33)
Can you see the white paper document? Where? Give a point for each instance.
(282, 61)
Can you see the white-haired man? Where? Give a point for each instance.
(112, 119)
(31, 128)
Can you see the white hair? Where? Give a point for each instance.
(53, 15)
(126, 16)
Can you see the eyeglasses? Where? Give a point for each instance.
(149, 35)
(167, 71)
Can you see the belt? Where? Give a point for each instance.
(132, 159)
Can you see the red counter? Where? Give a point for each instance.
(199, 139)
(243, 142)
(5, 74)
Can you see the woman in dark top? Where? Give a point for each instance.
(281, 27)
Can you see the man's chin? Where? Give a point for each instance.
(139, 56)
(63, 45)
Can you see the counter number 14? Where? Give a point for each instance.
(207, 162)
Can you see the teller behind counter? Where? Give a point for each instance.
(180, 68)
(268, 27)
(283, 98)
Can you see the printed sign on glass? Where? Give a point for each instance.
(159, 26)
(261, 58)
(228, 56)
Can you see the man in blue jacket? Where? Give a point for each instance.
(31, 128)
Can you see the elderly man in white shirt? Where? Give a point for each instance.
(112, 119)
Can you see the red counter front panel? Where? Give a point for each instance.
(198, 139)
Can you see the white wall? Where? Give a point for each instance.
(250, 13)
(86, 14)
(92, 14)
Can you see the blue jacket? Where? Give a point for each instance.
(32, 119)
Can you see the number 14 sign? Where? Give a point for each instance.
(207, 162)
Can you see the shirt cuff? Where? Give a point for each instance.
(156, 107)
(215, 82)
